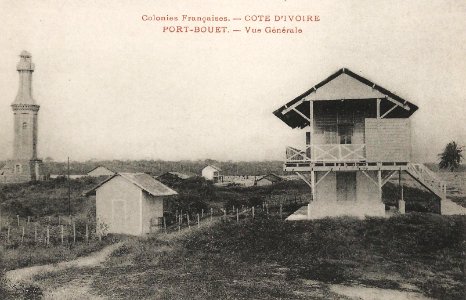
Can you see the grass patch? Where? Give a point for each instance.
(271, 259)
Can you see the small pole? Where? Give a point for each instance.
(281, 210)
(253, 212)
(61, 227)
(17, 218)
(69, 189)
(87, 233)
(187, 218)
(50, 220)
(225, 213)
(74, 232)
(198, 221)
(237, 215)
(8, 234)
(59, 221)
(22, 236)
(267, 208)
(202, 213)
(165, 224)
(211, 213)
(35, 232)
(48, 235)
(29, 218)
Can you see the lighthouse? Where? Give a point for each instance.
(24, 166)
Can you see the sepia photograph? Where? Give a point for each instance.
(220, 149)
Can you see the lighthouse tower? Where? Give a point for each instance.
(25, 166)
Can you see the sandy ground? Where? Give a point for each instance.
(74, 289)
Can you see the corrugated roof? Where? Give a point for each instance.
(143, 181)
(294, 120)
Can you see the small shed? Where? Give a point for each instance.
(268, 179)
(130, 203)
(100, 171)
(212, 173)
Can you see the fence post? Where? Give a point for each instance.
(59, 221)
(165, 224)
(35, 232)
(267, 209)
(253, 212)
(74, 232)
(187, 218)
(8, 234)
(17, 218)
(22, 236)
(211, 213)
(28, 220)
(237, 215)
(61, 228)
(281, 210)
(198, 221)
(48, 235)
(225, 214)
(202, 213)
(87, 233)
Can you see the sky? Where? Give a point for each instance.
(112, 86)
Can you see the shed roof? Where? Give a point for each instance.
(141, 180)
(271, 177)
(295, 120)
(100, 167)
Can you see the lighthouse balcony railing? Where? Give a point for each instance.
(326, 153)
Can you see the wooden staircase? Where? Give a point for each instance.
(427, 178)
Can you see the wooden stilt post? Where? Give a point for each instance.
(202, 213)
(187, 218)
(281, 211)
(253, 212)
(8, 234)
(237, 215)
(165, 225)
(17, 218)
(48, 236)
(22, 235)
(211, 213)
(61, 230)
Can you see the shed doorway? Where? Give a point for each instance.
(346, 186)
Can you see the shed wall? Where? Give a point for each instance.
(118, 206)
(152, 210)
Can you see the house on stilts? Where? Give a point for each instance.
(357, 136)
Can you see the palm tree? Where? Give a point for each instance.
(451, 156)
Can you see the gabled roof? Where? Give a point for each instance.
(100, 167)
(141, 180)
(295, 120)
(214, 167)
(271, 177)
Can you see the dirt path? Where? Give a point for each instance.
(75, 289)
